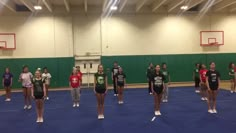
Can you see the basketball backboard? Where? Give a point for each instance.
(7, 41)
(211, 38)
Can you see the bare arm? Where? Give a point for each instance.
(44, 90)
(32, 92)
(94, 85)
(11, 82)
(207, 83)
(3, 82)
(219, 82)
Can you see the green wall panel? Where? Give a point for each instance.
(60, 68)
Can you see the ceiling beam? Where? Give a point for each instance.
(223, 4)
(48, 5)
(193, 3)
(208, 4)
(140, 5)
(67, 5)
(123, 3)
(157, 4)
(28, 4)
(86, 6)
(104, 6)
(9, 4)
(173, 5)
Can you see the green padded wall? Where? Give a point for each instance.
(60, 68)
(180, 66)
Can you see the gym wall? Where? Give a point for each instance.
(133, 40)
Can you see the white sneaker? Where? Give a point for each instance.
(38, 120)
(210, 111)
(25, 107)
(99, 117)
(203, 99)
(150, 93)
(115, 95)
(74, 105)
(102, 117)
(47, 98)
(8, 100)
(29, 107)
(197, 91)
(214, 111)
(121, 102)
(157, 113)
(77, 105)
(232, 91)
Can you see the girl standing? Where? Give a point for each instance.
(231, 76)
(25, 78)
(47, 77)
(166, 73)
(213, 83)
(120, 83)
(157, 88)
(150, 72)
(75, 87)
(100, 90)
(113, 73)
(7, 83)
(203, 85)
(39, 93)
(196, 77)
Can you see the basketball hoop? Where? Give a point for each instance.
(214, 44)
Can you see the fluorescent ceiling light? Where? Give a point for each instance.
(38, 7)
(113, 8)
(184, 7)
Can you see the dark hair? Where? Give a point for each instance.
(230, 64)
(115, 62)
(24, 66)
(163, 64)
(197, 64)
(211, 63)
(100, 65)
(45, 68)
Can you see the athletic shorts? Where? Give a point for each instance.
(7, 84)
(203, 86)
(197, 81)
(100, 90)
(158, 90)
(38, 96)
(213, 87)
(120, 84)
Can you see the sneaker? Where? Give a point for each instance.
(38, 120)
(156, 112)
(150, 93)
(166, 101)
(25, 107)
(47, 98)
(115, 95)
(121, 102)
(197, 91)
(214, 111)
(99, 117)
(74, 105)
(203, 99)
(232, 91)
(8, 100)
(29, 107)
(210, 111)
(77, 105)
(102, 117)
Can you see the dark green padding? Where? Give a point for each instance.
(60, 68)
(180, 66)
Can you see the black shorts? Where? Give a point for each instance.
(38, 96)
(158, 90)
(100, 90)
(197, 81)
(213, 88)
(7, 84)
(120, 84)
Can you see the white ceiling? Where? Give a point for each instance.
(124, 6)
